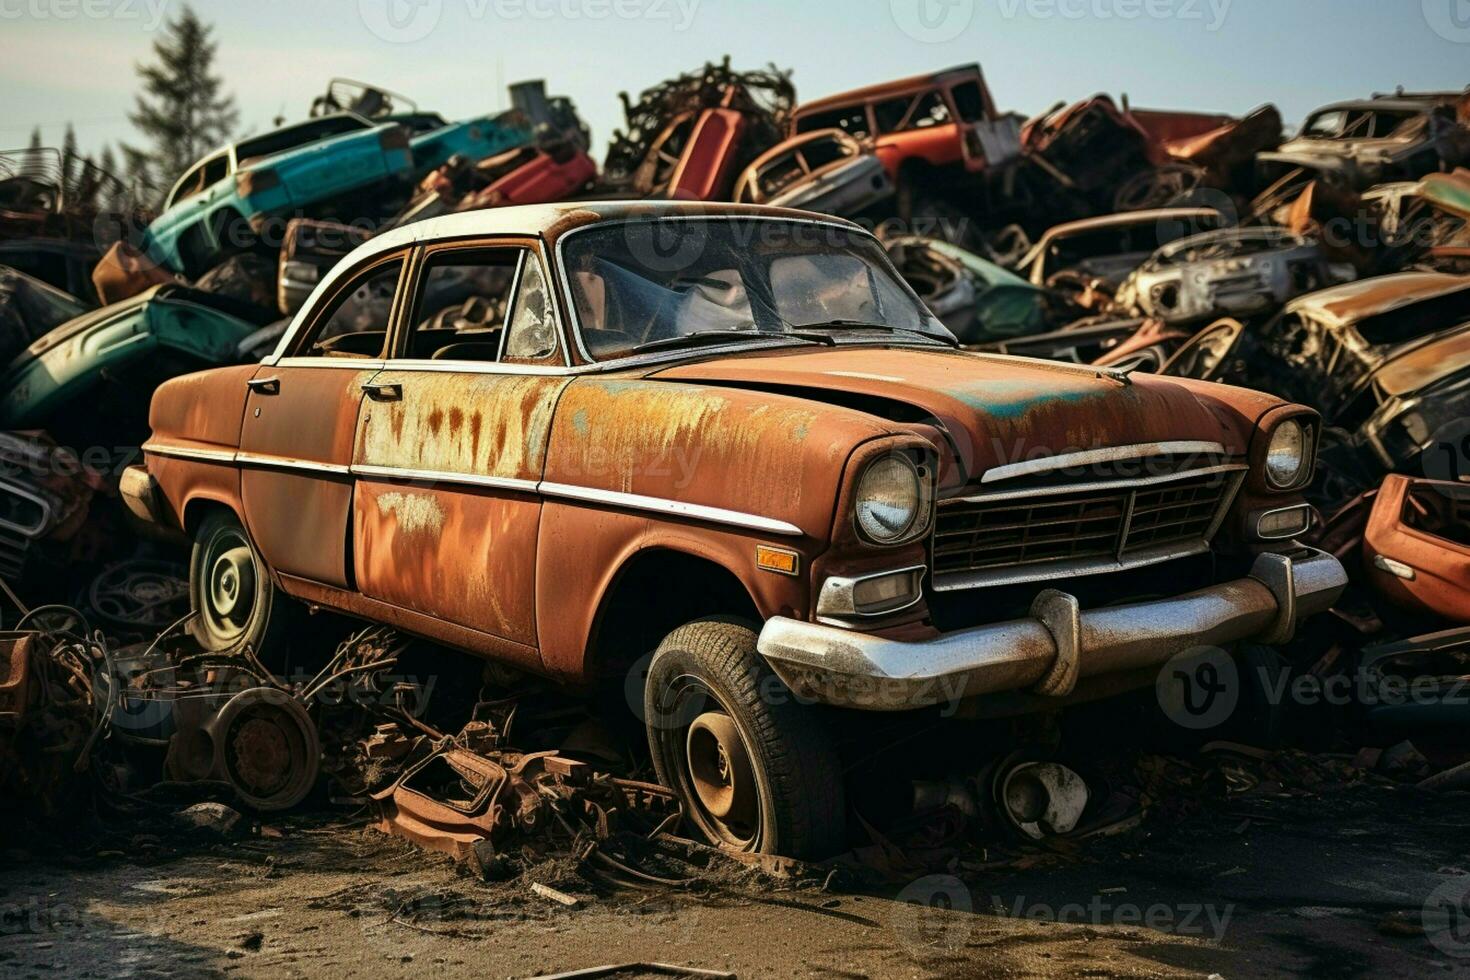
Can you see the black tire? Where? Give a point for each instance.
(708, 669)
(224, 565)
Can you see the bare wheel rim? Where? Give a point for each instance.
(227, 599)
(711, 765)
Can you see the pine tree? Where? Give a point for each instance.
(111, 199)
(71, 163)
(181, 110)
(33, 161)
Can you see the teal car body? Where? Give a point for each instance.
(231, 194)
(434, 140)
(159, 333)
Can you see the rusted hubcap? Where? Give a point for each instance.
(720, 770)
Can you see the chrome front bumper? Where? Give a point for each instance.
(1054, 648)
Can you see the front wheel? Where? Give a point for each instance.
(756, 771)
(235, 602)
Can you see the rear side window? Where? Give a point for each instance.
(852, 120)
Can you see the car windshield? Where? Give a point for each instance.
(658, 284)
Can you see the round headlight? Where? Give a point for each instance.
(888, 499)
(1286, 456)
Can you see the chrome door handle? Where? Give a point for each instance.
(264, 386)
(383, 391)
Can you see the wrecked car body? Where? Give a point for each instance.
(1387, 358)
(432, 139)
(225, 200)
(980, 302)
(30, 308)
(825, 171)
(1236, 272)
(742, 431)
(158, 334)
(921, 127)
(735, 116)
(1372, 141)
(1098, 254)
(1416, 547)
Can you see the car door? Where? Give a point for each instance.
(300, 419)
(452, 444)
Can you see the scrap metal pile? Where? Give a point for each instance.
(1332, 268)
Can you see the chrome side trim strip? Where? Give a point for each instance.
(187, 452)
(1048, 464)
(346, 363)
(610, 498)
(1124, 484)
(439, 476)
(269, 461)
(677, 508)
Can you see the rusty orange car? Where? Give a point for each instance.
(568, 437)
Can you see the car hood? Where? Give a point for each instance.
(995, 409)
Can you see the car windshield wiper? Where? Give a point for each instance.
(865, 325)
(715, 336)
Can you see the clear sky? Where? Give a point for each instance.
(73, 60)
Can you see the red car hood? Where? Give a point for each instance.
(997, 409)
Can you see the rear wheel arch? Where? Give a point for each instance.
(199, 507)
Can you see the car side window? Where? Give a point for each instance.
(931, 111)
(354, 322)
(462, 303)
(852, 120)
(215, 171)
(189, 185)
(890, 112)
(531, 333)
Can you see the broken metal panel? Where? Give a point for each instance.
(136, 337)
(1235, 272)
(1416, 547)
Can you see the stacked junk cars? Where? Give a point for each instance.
(1331, 268)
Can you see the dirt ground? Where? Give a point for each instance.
(1328, 883)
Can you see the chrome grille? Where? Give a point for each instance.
(1039, 533)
